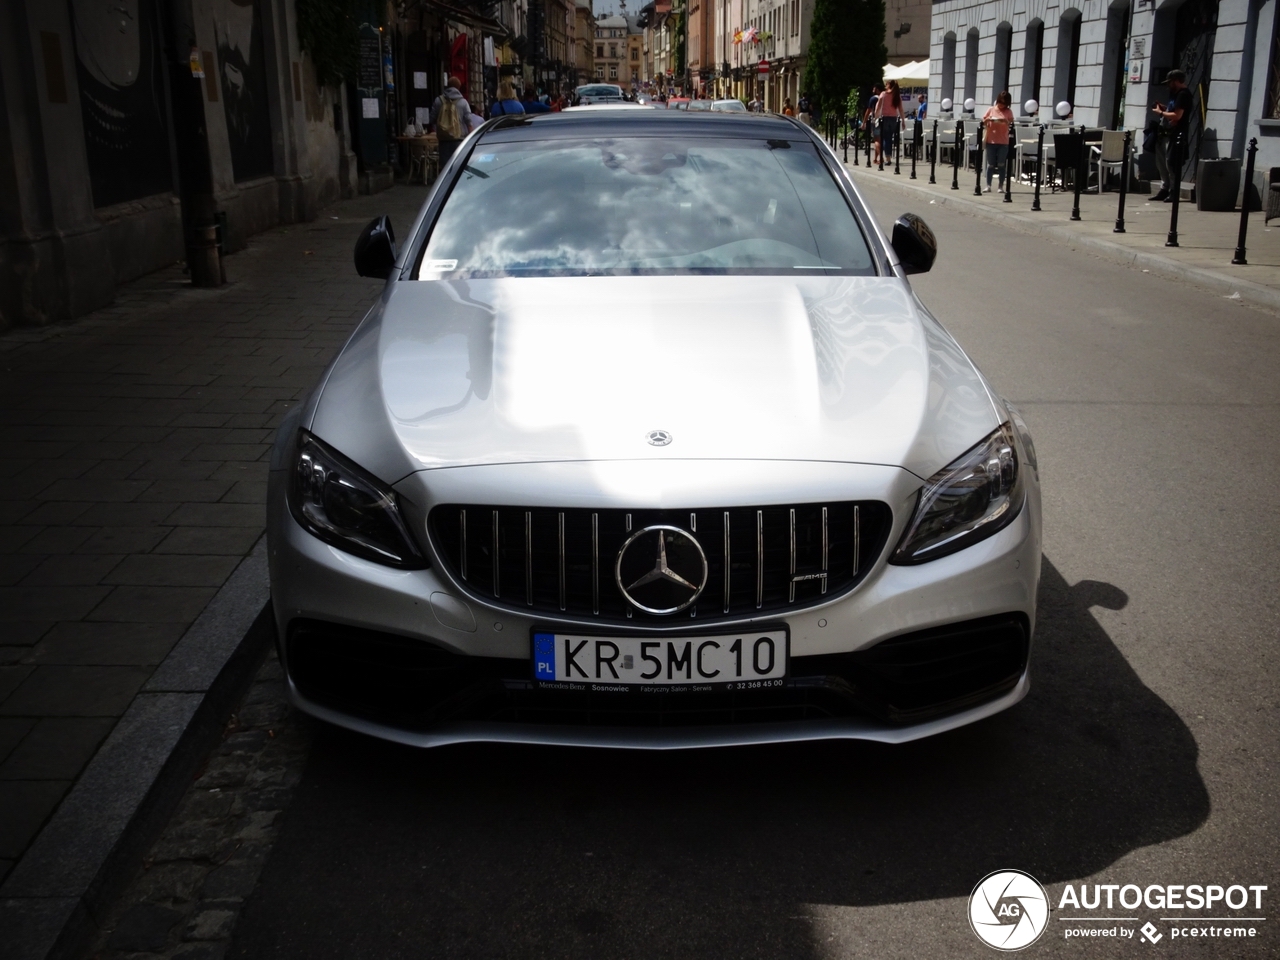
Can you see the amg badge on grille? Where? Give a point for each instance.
(661, 569)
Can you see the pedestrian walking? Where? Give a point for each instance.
(787, 109)
(806, 113)
(998, 121)
(889, 115)
(924, 106)
(532, 104)
(1175, 119)
(449, 116)
(871, 120)
(756, 105)
(506, 102)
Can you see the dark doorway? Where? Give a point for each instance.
(1194, 28)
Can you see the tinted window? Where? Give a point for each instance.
(644, 205)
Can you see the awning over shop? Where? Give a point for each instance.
(913, 74)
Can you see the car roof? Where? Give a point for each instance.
(594, 122)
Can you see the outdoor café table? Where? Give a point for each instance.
(422, 152)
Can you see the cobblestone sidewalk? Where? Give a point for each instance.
(134, 477)
(184, 902)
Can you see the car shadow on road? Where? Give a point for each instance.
(512, 851)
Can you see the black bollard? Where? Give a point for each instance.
(977, 182)
(1081, 171)
(1035, 203)
(1124, 181)
(933, 158)
(1008, 170)
(1175, 170)
(955, 155)
(868, 141)
(1239, 258)
(857, 129)
(880, 158)
(897, 147)
(848, 132)
(916, 137)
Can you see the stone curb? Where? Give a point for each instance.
(50, 904)
(1154, 262)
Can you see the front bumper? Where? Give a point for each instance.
(991, 583)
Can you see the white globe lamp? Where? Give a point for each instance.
(969, 104)
(1031, 107)
(946, 104)
(1063, 109)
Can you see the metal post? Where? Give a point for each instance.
(933, 159)
(1175, 170)
(897, 147)
(1082, 160)
(868, 142)
(1035, 204)
(955, 156)
(1008, 170)
(1239, 258)
(977, 183)
(880, 158)
(916, 137)
(848, 132)
(1124, 181)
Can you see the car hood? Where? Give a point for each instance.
(844, 369)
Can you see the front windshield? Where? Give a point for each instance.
(600, 90)
(645, 205)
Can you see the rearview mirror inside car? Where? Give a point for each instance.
(914, 243)
(376, 249)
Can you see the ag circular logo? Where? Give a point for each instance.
(1008, 910)
(661, 569)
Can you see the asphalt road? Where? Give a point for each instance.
(1145, 753)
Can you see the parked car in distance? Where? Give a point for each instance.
(678, 103)
(590, 93)
(728, 106)
(697, 106)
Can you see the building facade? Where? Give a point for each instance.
(770, 64)
(1108, 61)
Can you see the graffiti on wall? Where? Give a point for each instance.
(118, 67)
(243, 71)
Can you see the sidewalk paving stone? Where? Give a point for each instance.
(136, 441)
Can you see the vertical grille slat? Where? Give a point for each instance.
(763, 558)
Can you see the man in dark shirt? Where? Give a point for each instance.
(1175, 119)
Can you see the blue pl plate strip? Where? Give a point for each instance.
(544, 656)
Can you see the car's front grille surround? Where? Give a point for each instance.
(555, 561)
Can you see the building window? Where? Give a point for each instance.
(613, 51)
(1068, 60)
(599, 71)
(949, 66)
(1032, 56)
(1004, 53)
(971, 64)
(635, 54)
(613, 71)
(600, 50)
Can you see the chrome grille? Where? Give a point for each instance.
(561, 561)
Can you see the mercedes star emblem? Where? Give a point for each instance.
(661, 569)
(659, 438)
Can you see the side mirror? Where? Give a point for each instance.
(376, 249)
(914, 244)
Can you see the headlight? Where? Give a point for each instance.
(966, 501)
(335, 500)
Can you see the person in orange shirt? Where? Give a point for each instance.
(787, 109)
(997, 122)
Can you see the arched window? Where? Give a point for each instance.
(971, 64)
(1068, 60)
(1004, 53)
(948, 66)
(1032, 56)
(1111, 96)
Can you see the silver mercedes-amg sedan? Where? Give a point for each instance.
(648, 442)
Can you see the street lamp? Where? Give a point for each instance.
(1031, 107)
(946, 104)
(1063, 109)
(969, 105)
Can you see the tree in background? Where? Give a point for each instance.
(846, 50)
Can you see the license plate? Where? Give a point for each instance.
(731, 658)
